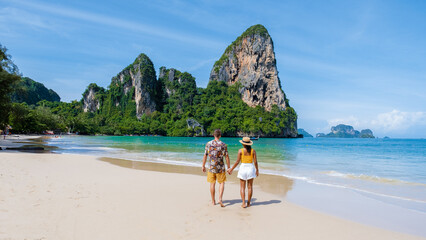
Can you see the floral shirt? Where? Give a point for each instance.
(216, 151)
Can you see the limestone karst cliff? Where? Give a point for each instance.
(140, 78)
(250, 61)
(176, 88)
(243, 97)
(91, 102)
(136, 84)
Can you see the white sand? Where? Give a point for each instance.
(52, 196)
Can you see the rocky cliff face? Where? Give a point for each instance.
(177, 88)
(344, 130)
(90, 102)
(139, 78)
(196, 127)
(168, 76)
(366, 133)
(250, 61)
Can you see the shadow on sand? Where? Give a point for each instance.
(254, 202)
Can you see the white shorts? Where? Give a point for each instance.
(247, 171)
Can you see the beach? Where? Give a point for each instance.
(67, 196)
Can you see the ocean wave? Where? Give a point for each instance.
(342, 186)
(160, 160)
(95, 148)
(371, 178)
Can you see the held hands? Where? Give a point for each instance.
(229, 171)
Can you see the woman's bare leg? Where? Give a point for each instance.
(243, 192)
(250, 191)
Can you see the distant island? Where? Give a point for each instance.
(346, 131)
(304, 133)
(243, 97)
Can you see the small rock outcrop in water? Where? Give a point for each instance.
(250, 61)
(90, 102)
(196, 127)
(346, 131)
(342, 130)
(140, 78)
(366, 133)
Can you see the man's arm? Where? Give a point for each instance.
(203, 168)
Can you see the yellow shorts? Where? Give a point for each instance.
(211, 177)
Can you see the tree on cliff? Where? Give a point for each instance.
(32, 92)
(9, 75)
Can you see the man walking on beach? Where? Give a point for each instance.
(216, 150)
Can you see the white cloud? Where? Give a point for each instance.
(397, 120)
(119, 23)
(394, 122)
(9, 14)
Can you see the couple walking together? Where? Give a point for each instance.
(216, 150)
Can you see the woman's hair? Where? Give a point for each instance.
(248, 148)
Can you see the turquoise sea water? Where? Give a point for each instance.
(390, 170)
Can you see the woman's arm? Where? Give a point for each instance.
(255, 162)
(236, 163)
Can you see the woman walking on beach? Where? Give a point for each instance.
(248, 170)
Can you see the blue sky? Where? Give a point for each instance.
(354, 62)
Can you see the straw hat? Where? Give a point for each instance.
(246, 141)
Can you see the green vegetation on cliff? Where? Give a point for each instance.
(217, 106)
(31, 92)
(177, 99)
(176, 94)
(146, 68)
(220, 106)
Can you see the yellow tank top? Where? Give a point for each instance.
(246, 159)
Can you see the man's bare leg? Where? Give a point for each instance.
(250, 191)
(212, 192)
(221, 189)
(243, 193)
